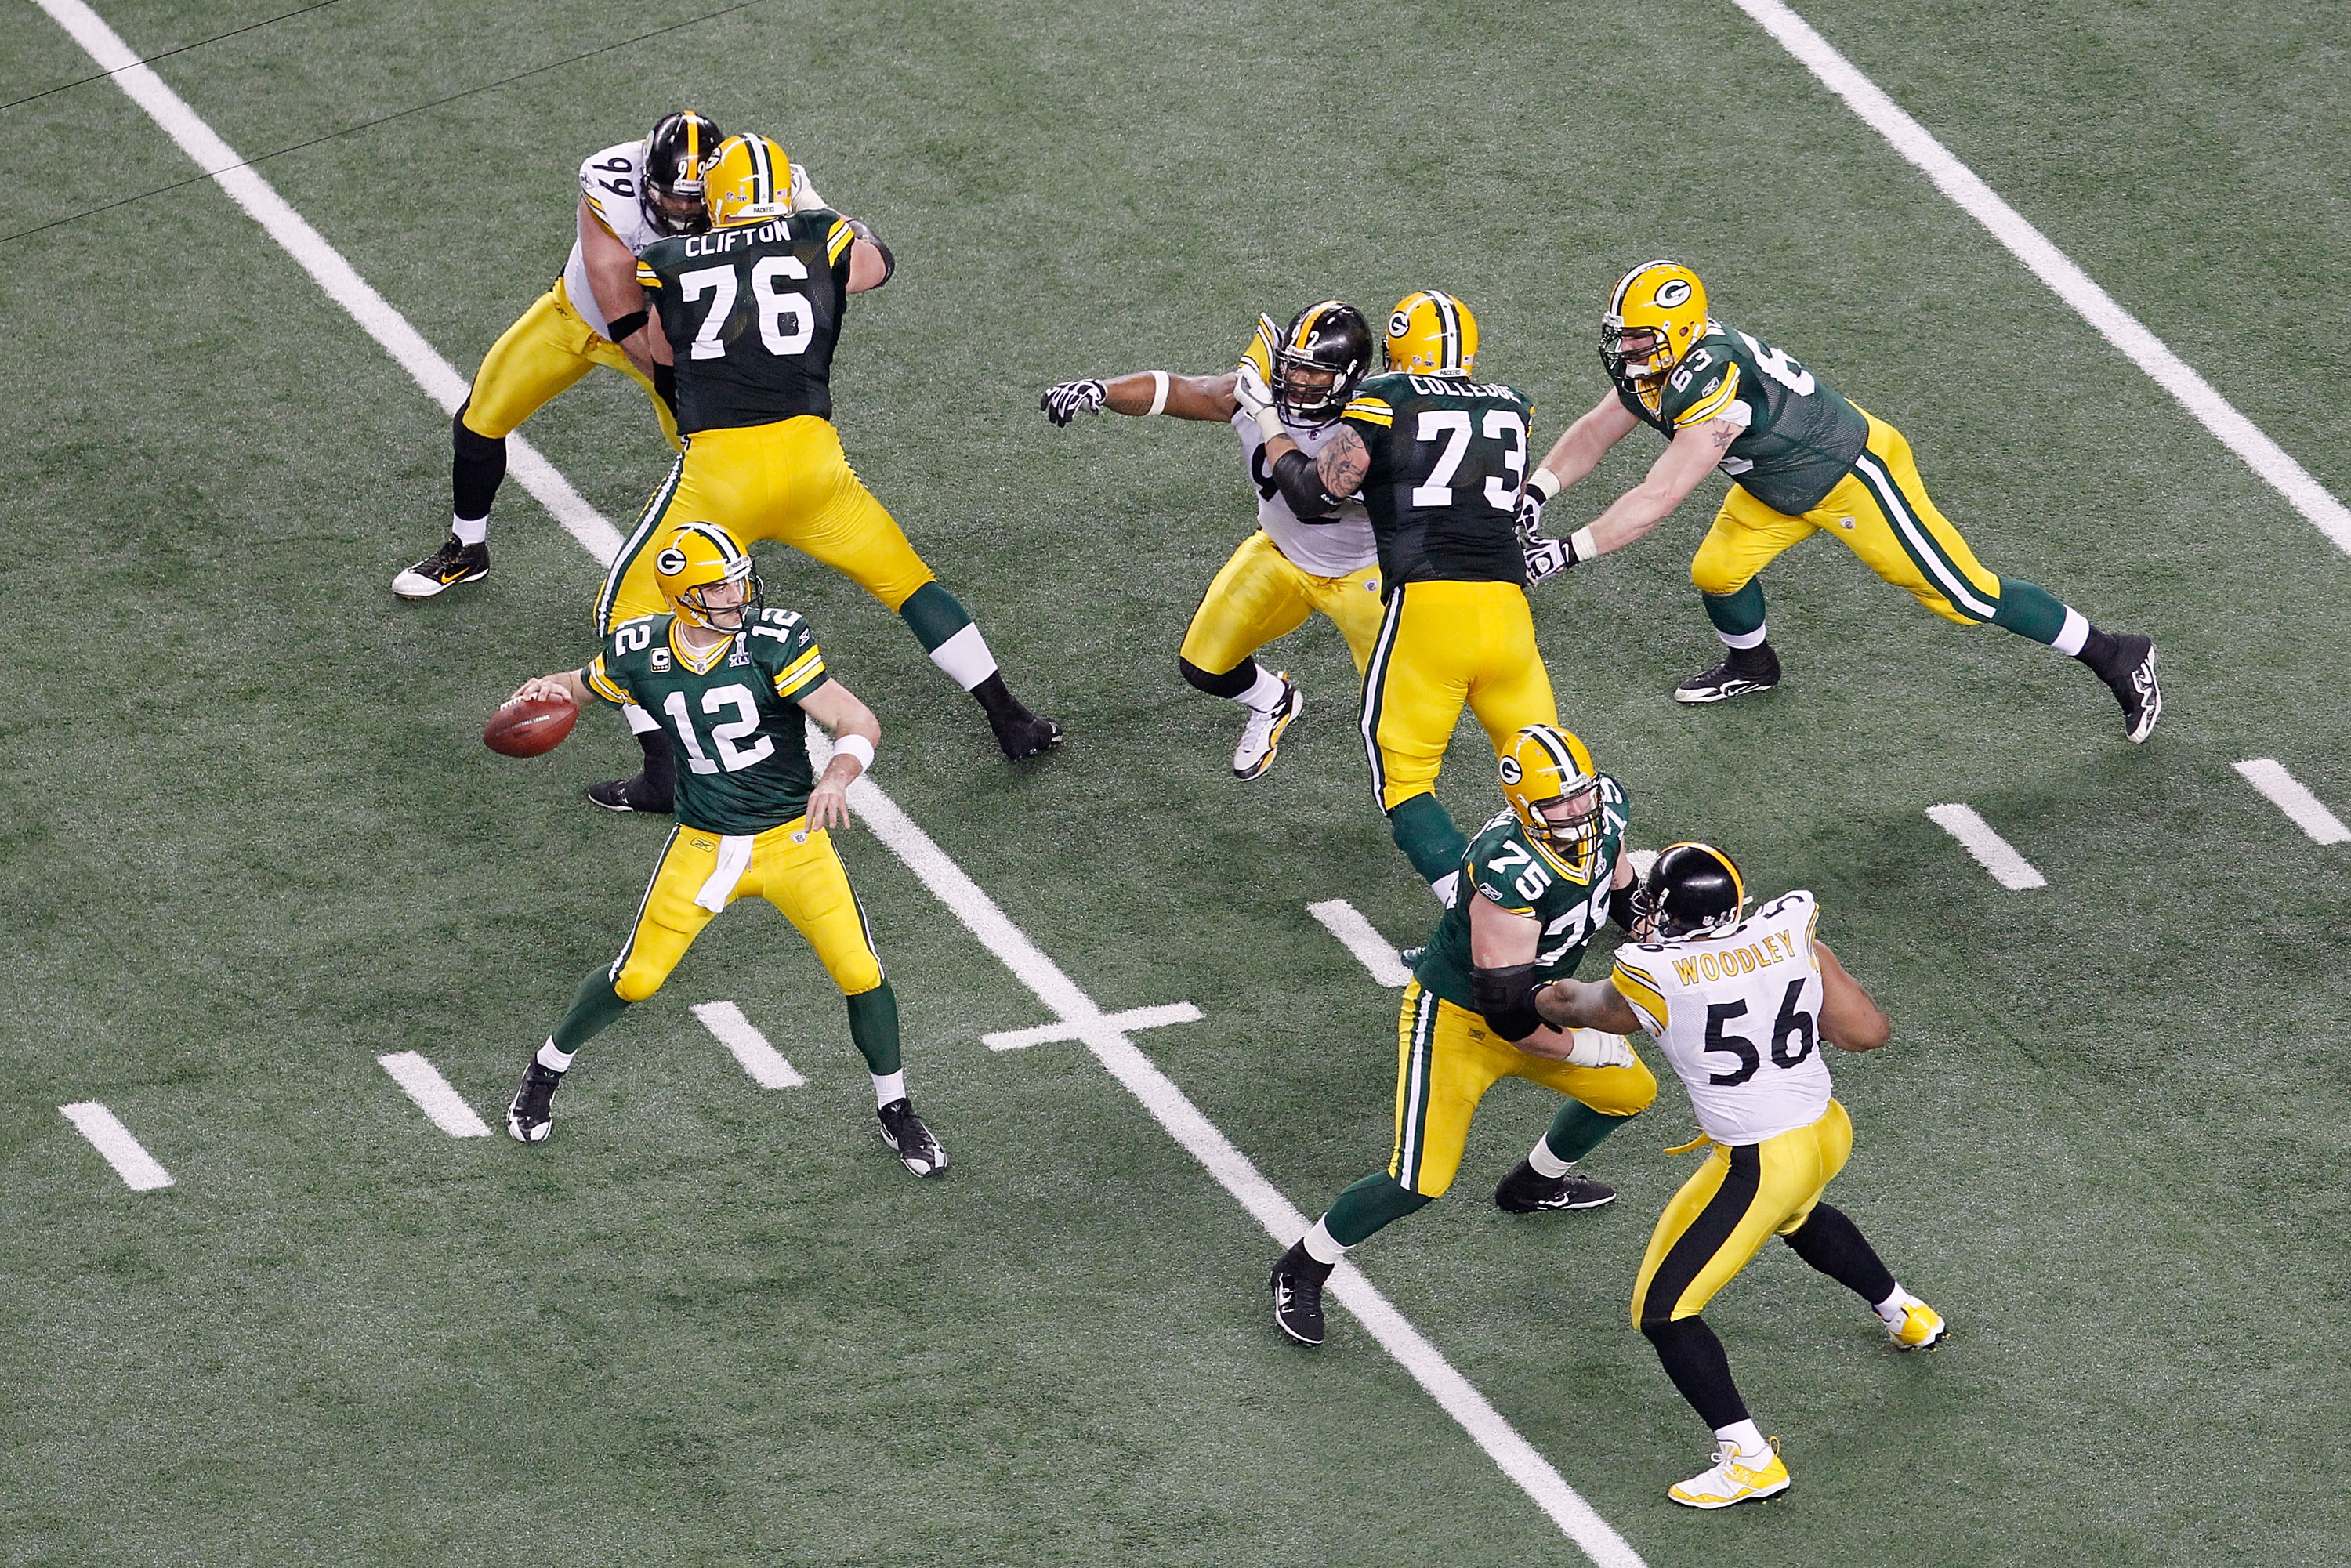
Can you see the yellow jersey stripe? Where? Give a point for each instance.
(838, 240)
(1698, 414)
(1641, 991)
(602, 685)
(802, 673)
(647, 276)
(1376, 411)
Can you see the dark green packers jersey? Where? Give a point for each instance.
(1802, 436)
(752, 313)
(1448, 459)
(1500, 864)
(742, 748)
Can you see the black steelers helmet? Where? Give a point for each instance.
(673, 158)
(1694, 891)
(1330, 337)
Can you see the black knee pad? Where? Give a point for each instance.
(1231, 684)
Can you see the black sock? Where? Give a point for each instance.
(997, 699)
(1298, 1261)
(2103, 652)
(1835, 1245)
(1759, 657)
(1693, 1358)
(1231, 684)
(478, 468)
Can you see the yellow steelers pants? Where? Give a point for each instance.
(1743, 1194)
(1446, 1061)
(787, 481)
(795, 870)
(1261, 594)
(1441, 644)
(549, 348)
(1881, 512)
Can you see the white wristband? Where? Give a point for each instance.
(1545, 484)
(855, 745)
(1586, 548)
(1159, 393)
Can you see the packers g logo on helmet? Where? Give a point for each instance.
(1554, 791)
(1662, 303)
(749, 180)
(1432, 334)
(697, 558)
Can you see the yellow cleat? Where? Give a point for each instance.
(1921, 1328)
(1732, 1481)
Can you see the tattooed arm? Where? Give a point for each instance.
(1696, 449)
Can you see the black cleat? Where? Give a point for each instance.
(444, 569)
(2134, 687)
(1526, 1190)
(529, 1117)
(1746, 670)
(1297, 1294)
(1023, 734)
(912, 1142)
(630, 795)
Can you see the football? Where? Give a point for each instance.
(529, 726)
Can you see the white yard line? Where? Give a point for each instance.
(110, 1137)
(2284, 791)
(1992, 851)
(1516, 1457)
(1361, 937)
(445, 1105)
(2075, 287)
(1052, 1033)
(763, 1062)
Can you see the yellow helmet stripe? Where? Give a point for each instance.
(694, 141)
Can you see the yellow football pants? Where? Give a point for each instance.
(550, 347)
(1261, 594)
(787, 481)
(1446, 1061)
(795, 870)
(1881, 512)
(1441, 644)
(1743, 1194)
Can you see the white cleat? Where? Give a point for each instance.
(1261, 736)
(1732, 1479)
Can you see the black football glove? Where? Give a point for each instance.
(1065, 403)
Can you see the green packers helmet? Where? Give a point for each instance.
(1694, 890)
(1657, 312)
(1432, 334)
(697, 558)
(1554, 791)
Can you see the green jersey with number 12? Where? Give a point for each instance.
(734, 712)
(752, 313)
(1801, 436)
(1521, 879)
(1448, 459)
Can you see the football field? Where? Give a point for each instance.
(251, 845)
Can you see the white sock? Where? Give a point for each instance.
(1319, 1245)
(889, 1086)
(965, 658)
(470, 531)
(2074, 634)
(555, 1061)
(1547, 1164)
(1889, 1310)
(1265, 694)
(1444, 886)
(1747, 1438)
(1742, 639)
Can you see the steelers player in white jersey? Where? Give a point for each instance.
(1741, 1008)
(1293, 565)
(631, 195)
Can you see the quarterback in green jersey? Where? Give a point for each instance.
(733, 682)
(1803, 460)
(1538, 883)
(1440, 461)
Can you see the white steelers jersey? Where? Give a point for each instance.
(1325, 549)
(1739, 1016)
(614, 182)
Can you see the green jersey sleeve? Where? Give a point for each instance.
(621, 659)
(783, 645)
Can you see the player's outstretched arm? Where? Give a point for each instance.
(1585, 1004)
(855, 735)
(563, 682)
(1583, 445)
(1851, 1019)
(1144, 393)
(1502, 976)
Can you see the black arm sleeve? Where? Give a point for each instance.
(864, 230)
(1301, 483)
(1628, 905)
(666, 386)
(625, 328)
(1507, 998)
